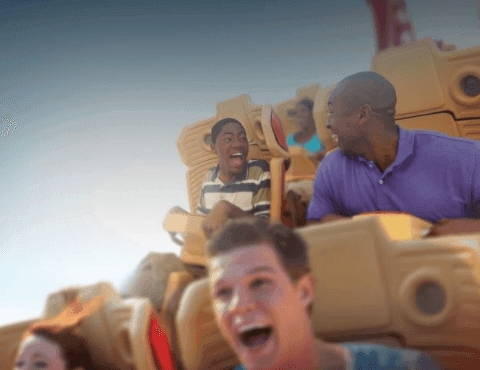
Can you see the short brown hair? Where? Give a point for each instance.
(289, 246)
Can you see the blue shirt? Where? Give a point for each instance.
(434, 176)
(313, 145)
(376, 357)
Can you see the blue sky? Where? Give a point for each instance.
(100, 91)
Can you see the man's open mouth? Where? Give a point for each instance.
(256, 336)
(237, 158)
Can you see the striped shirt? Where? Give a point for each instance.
(249, 191)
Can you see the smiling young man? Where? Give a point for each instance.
(236, 187)
(262, 292)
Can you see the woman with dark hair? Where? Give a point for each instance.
(299, 192)
(306, 136)
(59, 351)
(55, 344)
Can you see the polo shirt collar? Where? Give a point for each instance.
(240, 177)
(406, 140)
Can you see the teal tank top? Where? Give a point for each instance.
(313, 145)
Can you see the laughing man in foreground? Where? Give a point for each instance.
(262, 292)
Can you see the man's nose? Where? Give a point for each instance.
(239, 143)
(242, 302)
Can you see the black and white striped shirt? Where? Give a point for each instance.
(249, 191)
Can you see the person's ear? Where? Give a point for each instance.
(305, 289)
(365, 113)
(213, 147)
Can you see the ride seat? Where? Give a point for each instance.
(177, 282)
(275, 138)
(202, 346)
(151, 277)
(57, 301)
(126, 334)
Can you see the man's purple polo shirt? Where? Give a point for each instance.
(434, 176)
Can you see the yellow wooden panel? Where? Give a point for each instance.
(411, 69)
(440, 122)
(349, 285)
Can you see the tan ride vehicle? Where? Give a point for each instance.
(377, 279)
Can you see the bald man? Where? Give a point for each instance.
(380, 166)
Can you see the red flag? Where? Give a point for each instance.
(160, 346)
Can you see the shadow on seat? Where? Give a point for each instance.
(201, 343)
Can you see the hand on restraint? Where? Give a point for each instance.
(448, 226)
(216, 218)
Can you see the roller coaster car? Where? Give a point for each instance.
(122, 334)
(376, 278)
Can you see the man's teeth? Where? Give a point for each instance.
(252, 327)
(255, 335)
(236, 155)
